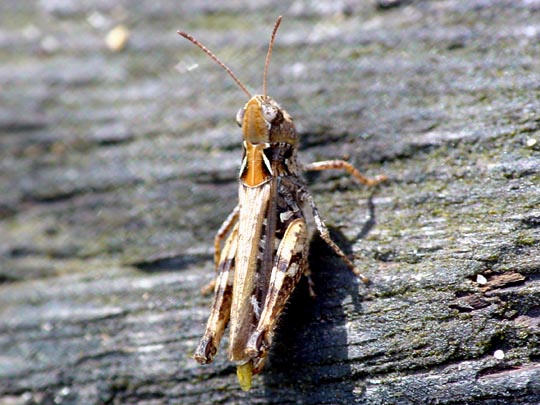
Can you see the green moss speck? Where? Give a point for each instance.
(526, 240)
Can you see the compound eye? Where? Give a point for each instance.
(269, 112)
(240, 116)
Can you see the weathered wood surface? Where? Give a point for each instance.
(118, 167)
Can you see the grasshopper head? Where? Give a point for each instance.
(263, 120)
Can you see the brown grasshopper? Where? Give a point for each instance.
(266, 236)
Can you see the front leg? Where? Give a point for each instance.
(341, 164)
(224, 229)
(288, 266)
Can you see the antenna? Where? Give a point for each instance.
(220, 63)
(269, 54)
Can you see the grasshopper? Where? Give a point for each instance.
(265, 237)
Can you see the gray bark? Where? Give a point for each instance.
(118, 167)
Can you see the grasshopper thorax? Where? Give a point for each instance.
(263, 120)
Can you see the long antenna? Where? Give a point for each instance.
(269, 54)
(215, 58)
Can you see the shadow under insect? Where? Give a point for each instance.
(309, 359)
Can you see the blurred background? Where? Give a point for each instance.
(103, 104)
